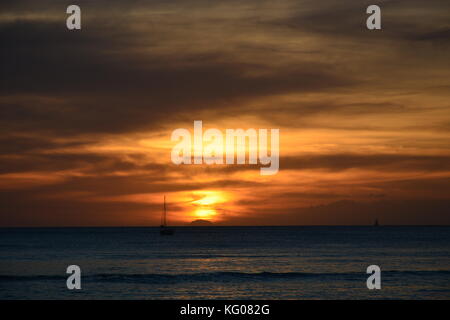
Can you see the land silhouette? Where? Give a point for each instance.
(201, 223)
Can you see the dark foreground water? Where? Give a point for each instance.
(226, 263)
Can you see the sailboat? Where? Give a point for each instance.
(376, 224)
(163, 229)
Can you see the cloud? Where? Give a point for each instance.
(343, 20)
(347, 212)
(382, 162)
(101, 82)
(76, 105)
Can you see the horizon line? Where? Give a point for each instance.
(228, 226)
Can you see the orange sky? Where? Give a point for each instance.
(86, 116)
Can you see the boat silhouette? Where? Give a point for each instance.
(164, 230)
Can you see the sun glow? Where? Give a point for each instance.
(205, 202)
(205, 213)
(209, 199)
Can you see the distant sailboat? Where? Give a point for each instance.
(164, 230)
(376, 223)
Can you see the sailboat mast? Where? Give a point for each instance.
(164, 230)
(165, 223)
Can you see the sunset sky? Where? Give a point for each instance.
(86, 116)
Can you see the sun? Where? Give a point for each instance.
(205, 203)
(207, 198)
(205, 213)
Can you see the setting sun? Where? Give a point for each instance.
(205, 202)
(205, 213)
(209, 198)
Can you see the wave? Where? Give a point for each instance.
(208, 276)
(218, 276)
(31, 277)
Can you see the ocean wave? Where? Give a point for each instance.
(183, 277)
(217, 276)
(31, 277)
(208, 276)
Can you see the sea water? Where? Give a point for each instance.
(226, 262)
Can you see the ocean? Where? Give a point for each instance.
(226, 262)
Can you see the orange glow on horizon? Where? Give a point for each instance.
(205, 213)
(205, 203)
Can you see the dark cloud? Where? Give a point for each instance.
(345, 161)
(44, 211)
(346, 212)
(423, 21)
(18, 145)
(442, 35)
(107, 87)
(383, 162)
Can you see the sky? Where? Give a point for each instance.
(86, 116)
